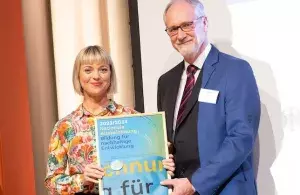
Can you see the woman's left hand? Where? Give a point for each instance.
(169, 164)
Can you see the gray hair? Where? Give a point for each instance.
(199, 8)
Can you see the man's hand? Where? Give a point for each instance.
(180, 186)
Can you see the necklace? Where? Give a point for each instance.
(93, 114)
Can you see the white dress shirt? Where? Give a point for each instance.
(199, 63)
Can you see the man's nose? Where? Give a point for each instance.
(181, 34)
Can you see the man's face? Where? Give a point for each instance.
(187, 42)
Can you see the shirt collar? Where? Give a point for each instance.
(201, 58)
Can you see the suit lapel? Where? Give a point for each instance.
(208, 66)
(172, 95)
(202, 81)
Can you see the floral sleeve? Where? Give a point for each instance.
(57, 181)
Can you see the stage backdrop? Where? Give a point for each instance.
(266, 34)
(77, 24)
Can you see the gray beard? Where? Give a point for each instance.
(187, 52)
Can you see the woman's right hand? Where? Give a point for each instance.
(92, 172)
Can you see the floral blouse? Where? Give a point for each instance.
(72, 146)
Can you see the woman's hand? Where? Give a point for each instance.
(92, 172)
(169, 164)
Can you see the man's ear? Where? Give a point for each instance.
(205, 24)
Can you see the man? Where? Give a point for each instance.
(212, 109)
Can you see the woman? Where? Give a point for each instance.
(72, 167)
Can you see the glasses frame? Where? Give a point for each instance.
(180, 26)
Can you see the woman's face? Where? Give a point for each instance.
(95, 79)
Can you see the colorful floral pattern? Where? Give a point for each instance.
(72, 146)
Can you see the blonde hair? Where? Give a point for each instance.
(93, 55)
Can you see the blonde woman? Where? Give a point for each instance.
(72, 142)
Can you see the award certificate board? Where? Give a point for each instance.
(131, 148)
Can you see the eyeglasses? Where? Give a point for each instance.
(186, 27)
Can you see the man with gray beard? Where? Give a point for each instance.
(212, 108)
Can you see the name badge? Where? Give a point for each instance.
(208, 96)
